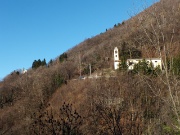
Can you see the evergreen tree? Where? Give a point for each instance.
(63, 57)
(38, 63)
(43, 63)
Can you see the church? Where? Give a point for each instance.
(156, 62)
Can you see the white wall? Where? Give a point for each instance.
(116, 58)
(131, 62)
(155, 62)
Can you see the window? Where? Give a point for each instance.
(130, 63)
(115, 51)
(116, 55)
(155, 61)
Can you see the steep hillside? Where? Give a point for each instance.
(39, 101)
(135, 33)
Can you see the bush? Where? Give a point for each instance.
(58, 81)
(123, 66)
(68, 122)
(176, 65)
(146, 69)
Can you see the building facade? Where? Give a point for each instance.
(155, 62)
(116, 58)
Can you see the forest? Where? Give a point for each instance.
(51, 99)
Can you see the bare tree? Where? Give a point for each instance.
(159, 25)
(67, 122)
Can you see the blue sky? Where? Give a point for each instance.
(38, 29)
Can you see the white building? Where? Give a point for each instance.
(116, 58)
(24, 71)
(156, 62)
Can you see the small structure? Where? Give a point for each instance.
(23, 71)
(116, 58)
(156, 62)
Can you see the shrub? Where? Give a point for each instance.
(146, 69)
(68, 122)
(176, 65)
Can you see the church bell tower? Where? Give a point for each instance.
(116, 58)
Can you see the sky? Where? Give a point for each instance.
(38, 29)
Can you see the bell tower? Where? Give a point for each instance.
(116, 58)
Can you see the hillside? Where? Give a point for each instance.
(52, 99)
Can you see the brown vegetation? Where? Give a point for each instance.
(124, 103)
